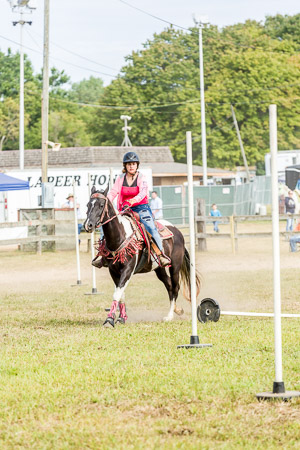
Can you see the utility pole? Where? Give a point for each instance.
(45, 95)
(241, 144)
(21, 22)
(126, 141)
(202, 100)
(21, 6)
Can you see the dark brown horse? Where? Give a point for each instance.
(118, 231)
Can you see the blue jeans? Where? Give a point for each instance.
(216, 228)
(146, 217)
(293, 242)
(289, 224)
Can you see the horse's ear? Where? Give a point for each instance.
(106, 191)
(93, 190)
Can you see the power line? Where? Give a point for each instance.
(156, 17)
(80, 56)
(58, 59)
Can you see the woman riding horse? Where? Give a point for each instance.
(132, 190)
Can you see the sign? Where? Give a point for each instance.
(62, 180)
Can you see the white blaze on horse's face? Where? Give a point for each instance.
(92, 216)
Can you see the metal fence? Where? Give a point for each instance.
(238, 200)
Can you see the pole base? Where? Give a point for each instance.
(285, 396)
(194, 343)
(94, 292)
(78, 283)
(279, 393)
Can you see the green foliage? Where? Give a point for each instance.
(87, 91)
(243, 67)
(249, 65)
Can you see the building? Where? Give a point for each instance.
(165, 170)
(285, 158)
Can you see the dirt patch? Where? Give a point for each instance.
(240, 282)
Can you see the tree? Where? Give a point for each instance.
(87, 91)
(159, 88)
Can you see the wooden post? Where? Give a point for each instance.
(201, 225)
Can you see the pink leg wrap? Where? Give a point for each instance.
(113, 309)
(122, 309)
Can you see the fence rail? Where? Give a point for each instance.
(39, 237)
(234, 235)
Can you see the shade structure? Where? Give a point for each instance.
(292, 176)
(12, 184)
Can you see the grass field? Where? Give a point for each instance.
(68, 383)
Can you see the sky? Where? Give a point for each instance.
(106, 31)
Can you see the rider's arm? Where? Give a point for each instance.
(115, 190)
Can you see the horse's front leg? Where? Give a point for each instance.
(121, 281)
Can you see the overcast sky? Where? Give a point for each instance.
(105, 31)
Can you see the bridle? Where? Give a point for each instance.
(105, 210)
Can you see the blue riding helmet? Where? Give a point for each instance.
(130, 157)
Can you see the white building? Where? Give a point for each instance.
(285, 158)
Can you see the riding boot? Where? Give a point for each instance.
(99, 263)
(164, 260)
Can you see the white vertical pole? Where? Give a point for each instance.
(94, 287)
(203, 128)
(192, 231)
(111, 177)
(21, 123)
(276, 250)
(76, 234)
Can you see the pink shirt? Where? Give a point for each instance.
(116, 189)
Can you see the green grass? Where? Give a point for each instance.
(68, 383)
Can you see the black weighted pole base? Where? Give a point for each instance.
(278, 387)
(279, 393)
(78, 283)
(94, 292)
(194, 343)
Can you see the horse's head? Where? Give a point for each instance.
(96, 209)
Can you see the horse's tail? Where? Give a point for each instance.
(185, 274)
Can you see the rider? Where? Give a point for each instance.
(132, 190)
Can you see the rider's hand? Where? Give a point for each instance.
(131, 202)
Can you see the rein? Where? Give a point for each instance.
(105, 210)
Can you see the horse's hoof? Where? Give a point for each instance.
(121, 320)
(109, 323)
(179, 311)
(167, 319)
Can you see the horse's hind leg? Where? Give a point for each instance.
(175, 289)
(164, 277)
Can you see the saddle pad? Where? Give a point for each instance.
(164, 231)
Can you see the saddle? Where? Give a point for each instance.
(164, 231)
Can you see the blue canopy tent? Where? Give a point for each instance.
(12, 184)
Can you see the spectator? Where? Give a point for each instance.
(156, 206)
(70, 204)
(289, 209)
(214, 212)
(293, 242)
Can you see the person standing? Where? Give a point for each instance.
(156, 205)
(290, 206)
(70, 204)
(214, 212)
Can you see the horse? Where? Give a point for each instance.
(119, 234)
